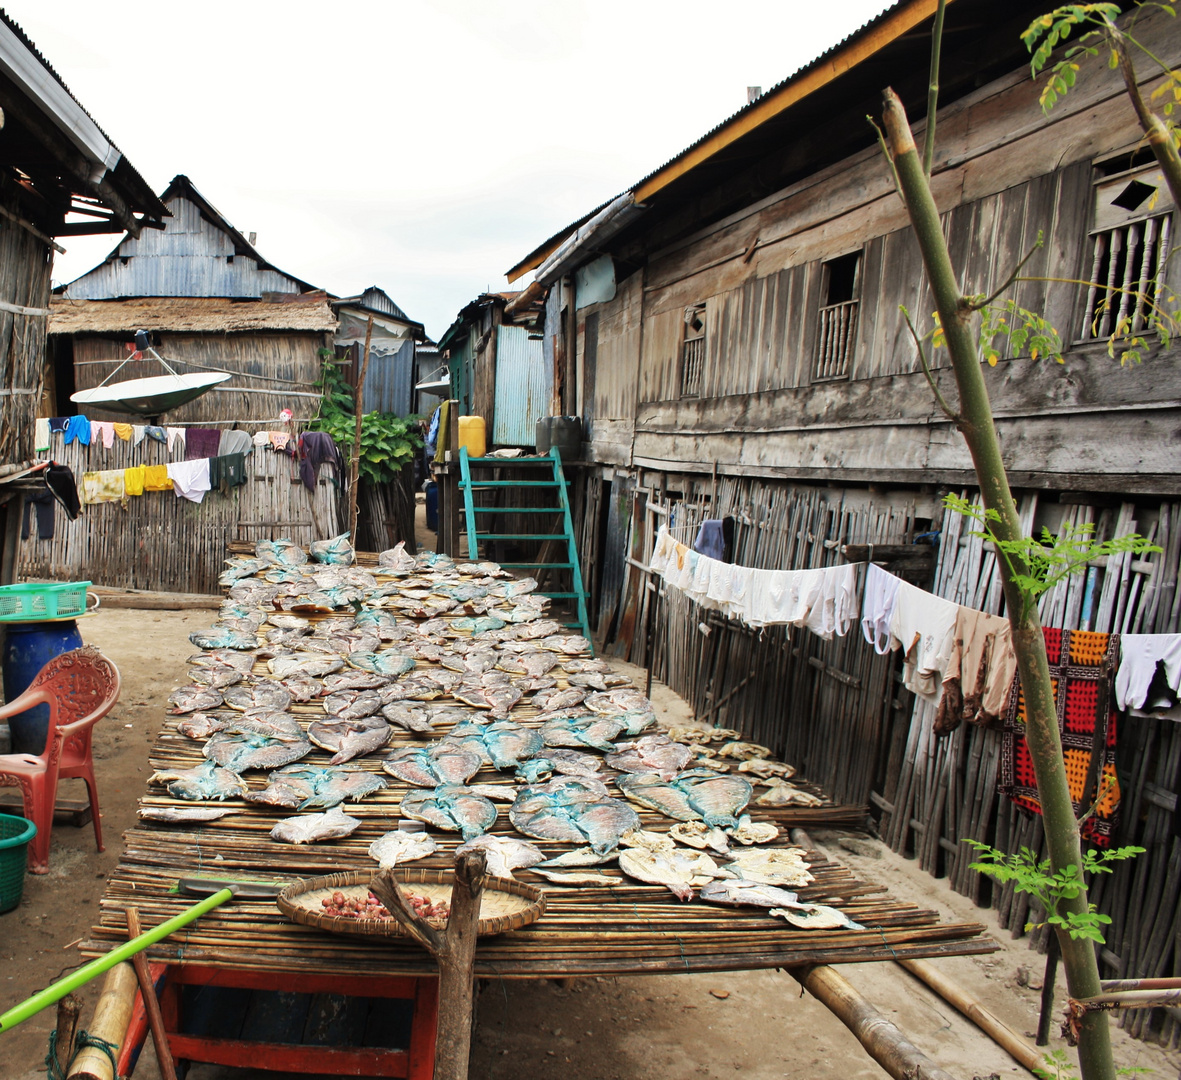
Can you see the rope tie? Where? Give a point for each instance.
(53, 1067)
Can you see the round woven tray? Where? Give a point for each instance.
(504, 905)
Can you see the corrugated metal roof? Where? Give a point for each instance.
(196, 315)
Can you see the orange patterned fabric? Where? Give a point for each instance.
(1082, 668)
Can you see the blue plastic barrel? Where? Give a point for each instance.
(28, 647)
(432, 506)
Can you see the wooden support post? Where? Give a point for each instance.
(111, 1016)
(455, 951)
(888, 1046)
(151, 1005)
(69, 1010)
(358, 410)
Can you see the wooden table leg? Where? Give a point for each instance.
(148, 992)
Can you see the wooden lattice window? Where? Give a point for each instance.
(838, 317)
(693, 351)
(1129, 252)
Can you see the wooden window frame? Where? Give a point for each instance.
(836, 331)
(692, 362)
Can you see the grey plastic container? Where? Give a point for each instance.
(543, 434)
(566, 434)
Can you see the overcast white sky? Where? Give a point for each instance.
(424, 147)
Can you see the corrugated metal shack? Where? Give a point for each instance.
(209, 302)
(55, 163)
(729, 329)
(497, 366)
(390, 377)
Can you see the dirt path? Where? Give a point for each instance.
(754, 1024)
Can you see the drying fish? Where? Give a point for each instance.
(380, 623)
(575, 878)
(348, 739)
(573, 809)
(200, 726)
(311, 664)
(593, 731)
(352, 704)
(635, 722)
(676, 870)
(509, 744)
(450, 807)
(753, 832)
(595, 680)
(290, 788)
(224, 658)
(542, 628)
(396, 560)
(583, 856)
(220, 637)
(553, 700)
(623, 700)
(444, 680)
(584, 667)
(399, 846)
(702, 735)
(335, 785)
(240, 567)
(285, 621)
(534, 771)
(771, 866)
(495, 792)
(411, 717)
(498, 700)
(652, 753)
(765, 769)
(477, 626)
(309, 828)
(303, 687)
(286, 575)
(280, 552)
(743, 751)
(503, 854)
(645, 838)
(699, 835)
(781, 793)
(568, 644)
(738, 892)
(189, 699)
(566, 762)
(354, 680)
(817, 917)
(263, 694)
(177, 814)
(206, 781)
(697, 793)
(444, 762)
(386, 662)
(478, 661)
(279, 640)
(272, 724)
(411, 688)
(215, 676)
(240, 752)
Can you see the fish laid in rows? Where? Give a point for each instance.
(476, 626)
(575, 810)
(677, 870)
(750, 832)
(352, 704)
(578, 879)
(398, 846)
(593, 680)
(221, 637)
(498, 700)
(534, 664)
(536, 631)
(652, 753)
(781, 793)
(697, 793)
(200, 726)
(262, 694)
(301, 786)
(334, 552)
(743, 751)
(396, 560)
(309, 828)
(503, 854)
(702, 735)
(443, 762)
(739, 892)
(353, 680)
(386, 662)
(771, 866)
(348, 739)
(413, 687)
(187, 699)
(622, 700)
(176, 815)
(240, 752)
(765, 769)
(475, 662)
(584, 667)
(303, 687)
(566, 762)
(382, 624)
(314, 665)
(698, 834)
(224, 658)
(593, 731)
(215, 676)
(567, 644)
(280, 552)
(268, 722)
(204, 782)
(816, 917)
(553, 700)
(279, 641)
(502, 743)
(240, 567)
(286, 621)
(450, 807)
(413, 718)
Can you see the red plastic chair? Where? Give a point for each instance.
(80, 688)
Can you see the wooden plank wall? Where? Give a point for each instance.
(944, 790)
(162, 542)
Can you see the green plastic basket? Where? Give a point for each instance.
(29, 602)
(15, 834)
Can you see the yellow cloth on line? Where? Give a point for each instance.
(133, 480)
(156, 478)
(123, 431)
(105, 486)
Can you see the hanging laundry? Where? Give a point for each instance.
(923, 625)
(280, 440)
(161, 435)
(1082, 667)
(261, 439)
(781, 596)
(835, 608)
(103, 429)
(1142, 656)
(877, 610)
(156, 478)
(58, 423)
(102, 487)
(133, 480)
(137, 433)
(201, 443)
(234, 441)
(175, 435)
(78, 429)
(45, 505)
(60, 480)
(227, 471)
(709, 540)
(318, 448)
(123, 431)
(190, 479)
(979, 671)
(41, 434)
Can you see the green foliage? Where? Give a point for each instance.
(1038, 564)
(1048, 888)
(1027, 332)
(388, 442)
(1049, 31)
(1060, 1067)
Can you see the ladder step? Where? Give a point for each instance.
(480, 485)
(521, 536)
(558, 595)
(545, 459)
(515, 509)
(536, 565)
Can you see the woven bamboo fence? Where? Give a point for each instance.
(169, 544)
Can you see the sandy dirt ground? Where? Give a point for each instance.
(751, 1024)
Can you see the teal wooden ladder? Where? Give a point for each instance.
(550, 467)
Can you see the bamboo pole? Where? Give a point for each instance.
(151, 1004)
(884, 1042)
(358, 409)
(69, 1010)
(997, 1030)
(111, 1017)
